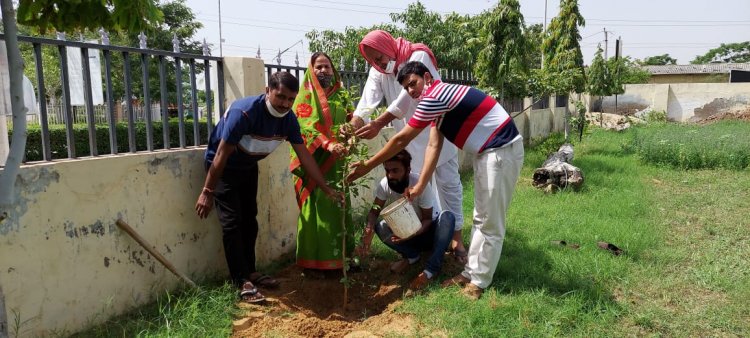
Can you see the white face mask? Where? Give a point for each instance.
(390, 67)
(424, 91)
(273, 111)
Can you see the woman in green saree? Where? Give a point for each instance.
(322, 106)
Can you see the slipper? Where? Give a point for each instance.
(250, 294)
(461, 256)
(263, 280)
(458, 280)
(610, 247)
(573, 246)
(472, 291)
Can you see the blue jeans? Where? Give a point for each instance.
(437, 238)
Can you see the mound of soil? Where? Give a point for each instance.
(311, 305)
(730, 115)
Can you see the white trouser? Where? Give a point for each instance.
(446, 185)
(496, 172)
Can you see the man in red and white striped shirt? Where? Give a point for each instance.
(476, 123)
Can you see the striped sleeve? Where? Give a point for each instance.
(432, 106)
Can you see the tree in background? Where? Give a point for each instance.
(502, 67)
(454, 38)
(562, 49)
(599, 77)
(344, 45)
(738, 52)
(626, 71)
(534, 35)
(659, 60)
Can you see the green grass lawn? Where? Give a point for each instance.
(685, 271)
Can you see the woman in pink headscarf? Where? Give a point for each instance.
(387, 55)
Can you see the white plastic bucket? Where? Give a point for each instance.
(401, 218)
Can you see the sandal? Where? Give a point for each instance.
(610, 247)
(472, 291)
(458, 280)
(250, 294)
(562, 243)
(263, 280)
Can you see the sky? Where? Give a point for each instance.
(682, 28)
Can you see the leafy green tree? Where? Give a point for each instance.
(738, 52)
(659, 60)
(344, 44)
(502, 66)
(534, 36)
(66, 15)
(562, 50)
(626, 71)
(453, 38)
(599, 76)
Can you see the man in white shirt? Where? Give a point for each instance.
(387, 55)
(434, 235)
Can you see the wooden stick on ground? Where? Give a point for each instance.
(125, 227)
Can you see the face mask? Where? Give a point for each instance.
(390, 67)
(273, 111)
(325, 80)
(424, 91)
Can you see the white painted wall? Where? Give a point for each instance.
(682, 101)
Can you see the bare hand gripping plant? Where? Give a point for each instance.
(355, 152)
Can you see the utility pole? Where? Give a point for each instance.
(544, 30)
(221, 39)
(606, 41)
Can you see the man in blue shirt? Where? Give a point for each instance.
(248, 131)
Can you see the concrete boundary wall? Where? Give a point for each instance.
(65, 265)
(681, 101)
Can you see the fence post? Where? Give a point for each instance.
(178, 75)
(110, 94)
(68, 110)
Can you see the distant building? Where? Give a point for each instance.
(706, 73)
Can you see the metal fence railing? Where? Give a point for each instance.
(109, 112)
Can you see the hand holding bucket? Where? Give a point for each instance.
(402, 218)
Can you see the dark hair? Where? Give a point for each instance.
(278, 79)
(402, 156)
(316, 55)
(412, 67)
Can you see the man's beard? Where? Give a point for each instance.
(399, 186)
(325, 80)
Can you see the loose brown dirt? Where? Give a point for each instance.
(312, 306)
(738, 114)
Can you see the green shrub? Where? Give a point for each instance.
(59, 145)
(725, 144)
(654, 116)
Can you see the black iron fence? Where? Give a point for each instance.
(169, 104)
